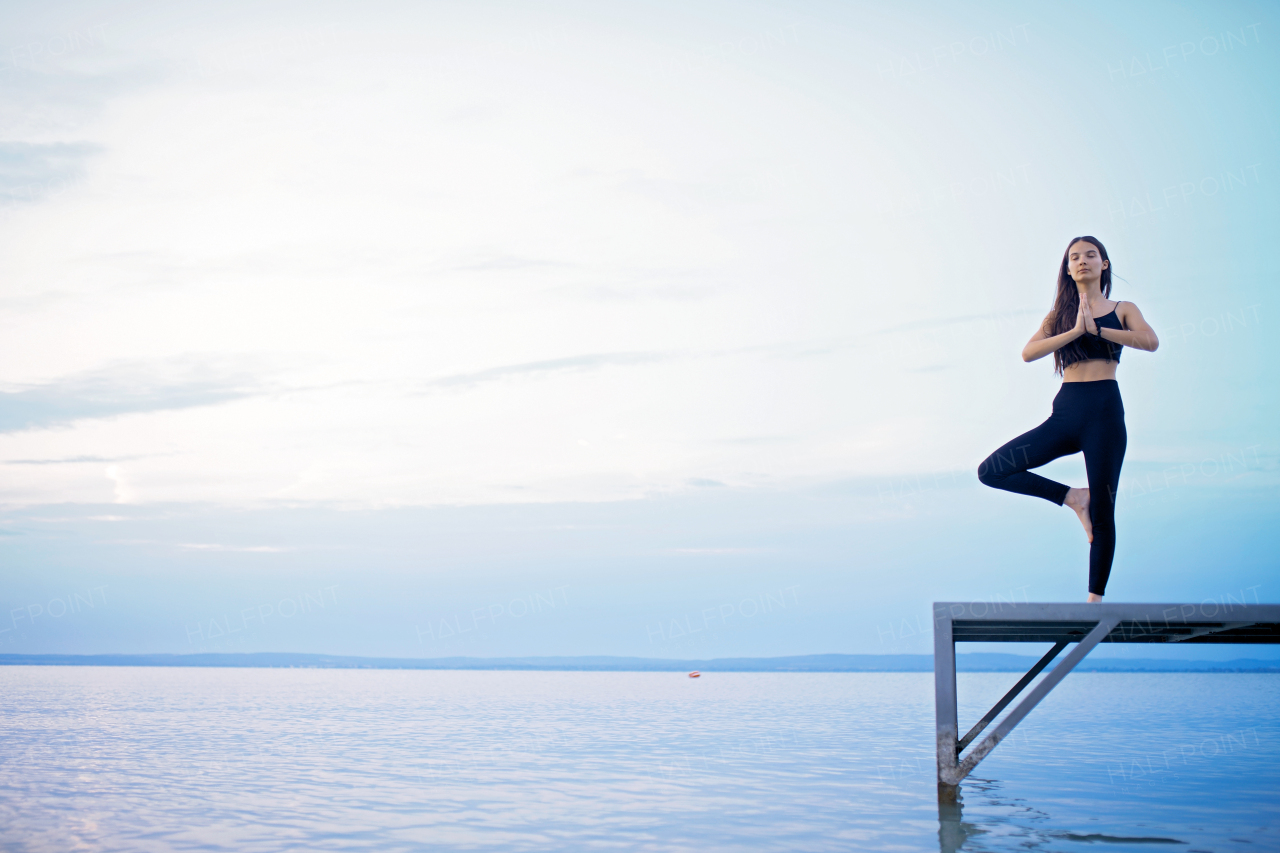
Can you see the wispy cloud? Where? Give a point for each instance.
(31, 171)
(251, 549)
(965, 319)
(504, 262)
(558, 365)
(204, 546)
(73, 460)
(715, 550)
(53, 86)
(671, 292)
(116, 391)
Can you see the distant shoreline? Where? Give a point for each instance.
(972, 662)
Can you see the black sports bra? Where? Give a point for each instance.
(1095, 346)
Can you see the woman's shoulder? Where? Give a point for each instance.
(1126, 312)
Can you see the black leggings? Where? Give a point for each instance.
(1089, 417)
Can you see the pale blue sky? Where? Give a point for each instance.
(420, 309)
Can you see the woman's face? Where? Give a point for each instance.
(1085, 262)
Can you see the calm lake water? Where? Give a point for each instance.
(151, 759)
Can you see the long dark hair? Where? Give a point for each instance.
(1067, 305)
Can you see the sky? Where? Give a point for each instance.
(496, 329)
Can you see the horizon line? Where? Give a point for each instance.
(822, 662)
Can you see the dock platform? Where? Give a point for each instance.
(1085, 626)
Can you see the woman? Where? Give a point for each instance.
(1086, 332)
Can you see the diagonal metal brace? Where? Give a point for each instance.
(954, 775)
(1010, 696)
(1201, 632)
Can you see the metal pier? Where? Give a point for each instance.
(1084, 625)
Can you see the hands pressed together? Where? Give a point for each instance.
(1084, 319)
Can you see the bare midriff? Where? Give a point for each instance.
(1090, 370)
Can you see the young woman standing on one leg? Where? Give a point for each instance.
(1086, 332)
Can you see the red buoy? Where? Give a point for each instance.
(695, 674)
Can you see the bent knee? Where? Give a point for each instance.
(1104, 528)
(987, 474)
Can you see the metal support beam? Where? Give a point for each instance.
(1062, 624)
(944, 694)
(1010, 696)
(953, 775)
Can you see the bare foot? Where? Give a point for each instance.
(1078, 499)
(1094, 598)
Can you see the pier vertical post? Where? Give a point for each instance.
(944, 694)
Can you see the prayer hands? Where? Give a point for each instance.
(1086, 317)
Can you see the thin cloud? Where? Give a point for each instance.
(715, 550)
(72, 460)
(829, 346)
(30, 171)
(249, 549)
(756, 439)
(495, 262)
(117, 391)
(920, 325)
(44, 95)
(557, 365)
(639, 293)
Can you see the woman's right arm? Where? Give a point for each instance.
(1041, 344)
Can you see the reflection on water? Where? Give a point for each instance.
(374, 760)
(1019, 825)
(953, 832)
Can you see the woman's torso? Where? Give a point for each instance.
(1094, 369)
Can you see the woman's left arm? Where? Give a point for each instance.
(1137, 332)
